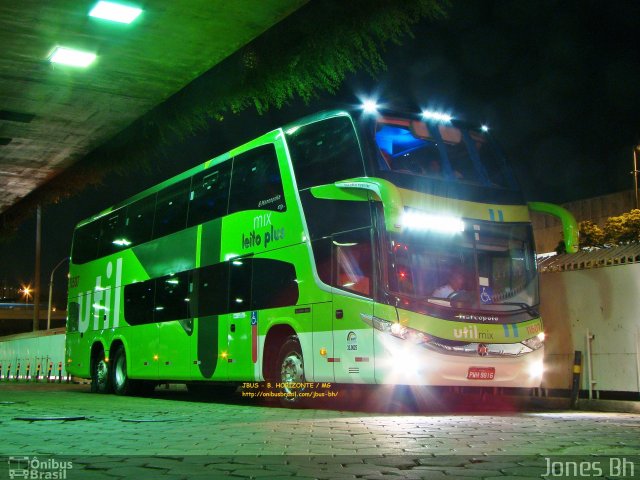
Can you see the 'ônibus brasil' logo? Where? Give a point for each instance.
(102, 304)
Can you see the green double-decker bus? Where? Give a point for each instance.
(347, 247)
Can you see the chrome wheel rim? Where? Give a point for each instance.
(102, 373)
(292, 370)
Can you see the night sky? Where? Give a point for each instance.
(557, 82)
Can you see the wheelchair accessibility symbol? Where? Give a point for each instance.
(485, 295)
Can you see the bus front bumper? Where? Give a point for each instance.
(406, 364)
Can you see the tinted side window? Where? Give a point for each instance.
(212, 289)
(171, 209)
(85, 243)
(326, 217)
(138, 302)
(353, 261)
(209, 194)
(239, 285)
(325, 152)
(273, 284)
(322, 256)
(172, 297)
(256, 183)
(140, 220)
(113, 237)
(73, 317)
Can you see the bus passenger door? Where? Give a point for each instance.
(353, 307)
(322, 338)
(242, 342)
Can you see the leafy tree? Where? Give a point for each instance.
(623, 228)
(591, 235)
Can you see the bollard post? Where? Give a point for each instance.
(49, 370)
(38, 373)
(26, 377)
(8, 372)
(59, 372)
(575, 384)
(17, 372)
(0, 372)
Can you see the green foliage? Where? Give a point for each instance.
(624, 228)
(591, 235)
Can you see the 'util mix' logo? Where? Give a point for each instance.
(471, 332)
(103, 301)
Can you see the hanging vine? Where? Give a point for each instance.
(310, 52)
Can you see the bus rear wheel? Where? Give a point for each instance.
(290, 372)
(122, 384)
(100, 374)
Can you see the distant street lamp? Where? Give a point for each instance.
(636, 149)
(51, 291)
(26, 293)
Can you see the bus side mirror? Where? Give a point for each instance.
(569, 224)
(364, 189)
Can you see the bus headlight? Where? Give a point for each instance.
(406, 333)
(536, 369)
(398, 330)
(534, 343)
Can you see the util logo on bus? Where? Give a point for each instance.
(100, 308)
(471, 332)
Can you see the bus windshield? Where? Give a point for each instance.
(439, 151)
(487, 266)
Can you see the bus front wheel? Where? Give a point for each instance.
(290, 372)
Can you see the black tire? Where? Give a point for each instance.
(290, 370)
(122, 384)
(100, 374)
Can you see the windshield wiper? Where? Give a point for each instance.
(530, 310)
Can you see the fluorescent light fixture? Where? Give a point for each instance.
(370, 106)
(438, 116)
(71, 57)
(115, 12)
(437, 223)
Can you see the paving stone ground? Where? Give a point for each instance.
(174, 436)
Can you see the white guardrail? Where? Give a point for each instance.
(34, 356)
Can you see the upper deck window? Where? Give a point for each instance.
(325, 152)
(255, 182)
(439, 151)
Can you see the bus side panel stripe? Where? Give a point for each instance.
(208, 345)
(210, 243)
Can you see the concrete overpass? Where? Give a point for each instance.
(20, 319)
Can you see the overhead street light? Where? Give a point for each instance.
(65, 259)
(26, 293)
